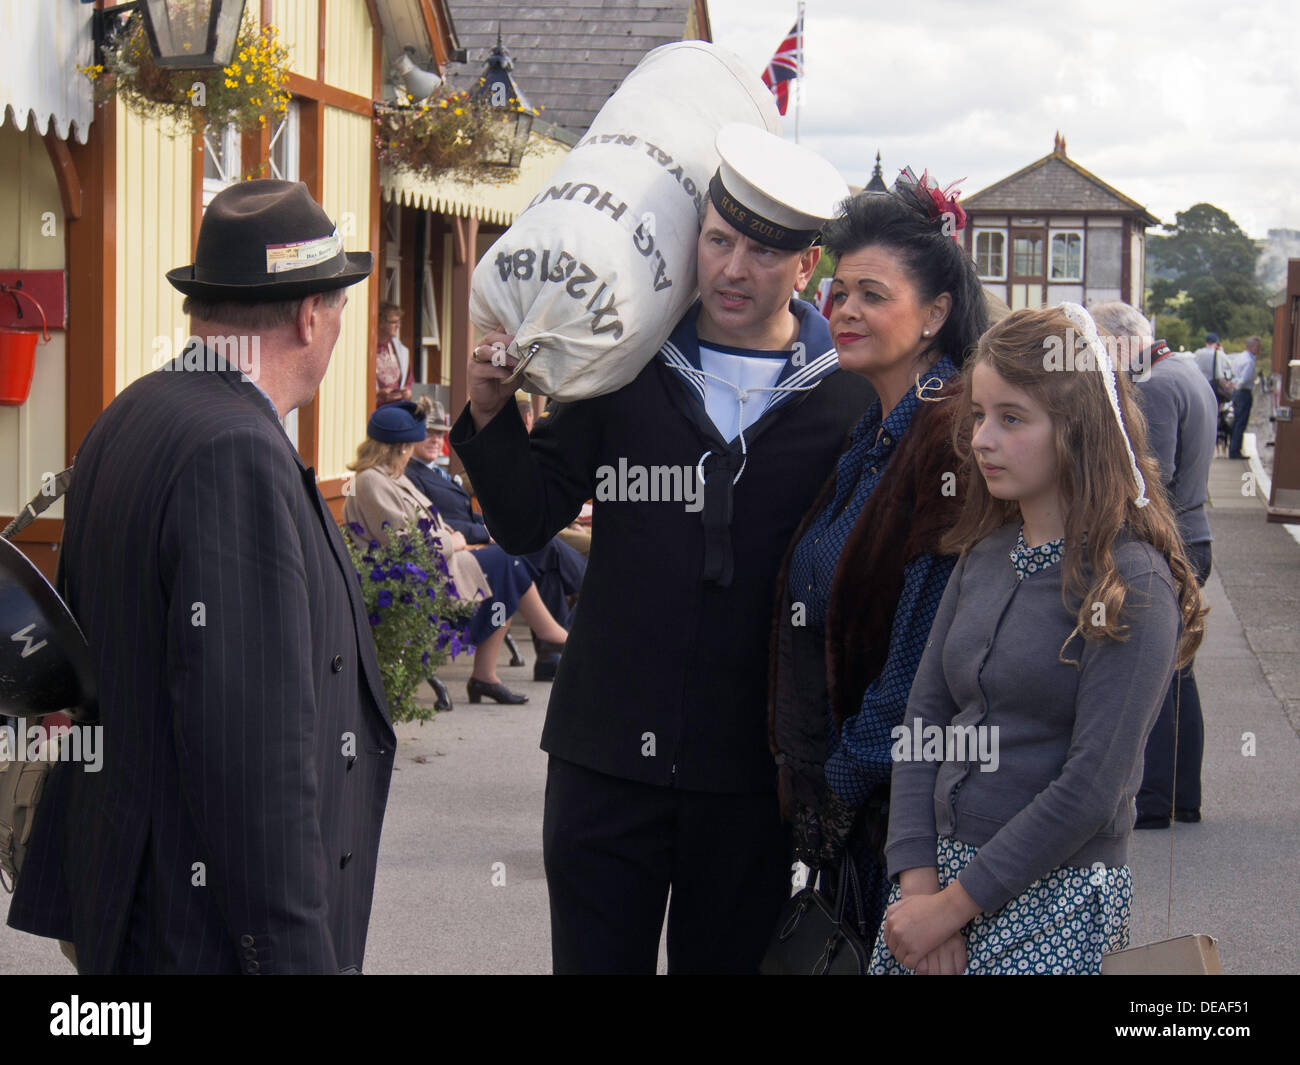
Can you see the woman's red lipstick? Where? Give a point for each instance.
(847, 338)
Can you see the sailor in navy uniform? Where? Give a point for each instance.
(660, 775)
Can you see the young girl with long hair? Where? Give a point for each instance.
(1014, 779)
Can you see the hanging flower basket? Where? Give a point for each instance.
(252, 91)
(449, 135)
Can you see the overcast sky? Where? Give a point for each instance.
(1171, 103)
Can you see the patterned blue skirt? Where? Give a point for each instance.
(1062, 923)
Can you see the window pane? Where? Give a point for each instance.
(284, 146)
(1067, 257)
(221, 153)
(1027, 256)
(988, 254)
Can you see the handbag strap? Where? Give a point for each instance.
(848, 878)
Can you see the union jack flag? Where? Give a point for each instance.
(786, 65)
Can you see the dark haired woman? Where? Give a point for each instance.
(864, 574)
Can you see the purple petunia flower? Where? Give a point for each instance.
(425, 524)
(385, 598)
(377, 575)
(424, 659)
(374, 619)
(357, 528)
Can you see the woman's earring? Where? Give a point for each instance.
(926, 333)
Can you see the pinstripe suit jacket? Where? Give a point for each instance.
(234, 824)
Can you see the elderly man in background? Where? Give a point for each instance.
(234, 826)
(1243, 395)
(1182, 414)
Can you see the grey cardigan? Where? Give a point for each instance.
(1070, 739)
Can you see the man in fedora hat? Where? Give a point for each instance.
(234, 825)
(660, 777)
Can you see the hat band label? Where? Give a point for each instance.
(754, 225)
(281, 258)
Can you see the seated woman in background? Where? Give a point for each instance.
(557, 569)
(1050, 656)
(865, 572)
(383, 493)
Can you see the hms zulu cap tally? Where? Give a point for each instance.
(268, 240)
(772, 191)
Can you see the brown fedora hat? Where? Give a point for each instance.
(268, 240)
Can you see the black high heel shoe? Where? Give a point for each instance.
(498, 692)
(516, 659)
(442, 695)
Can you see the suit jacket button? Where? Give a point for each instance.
(252, 967)
(337, 664)
(250, 954)
(245, 941)
(345, 859)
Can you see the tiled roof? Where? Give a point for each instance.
(1055, 183)
(570, 55)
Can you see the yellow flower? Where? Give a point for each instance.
(458, 111)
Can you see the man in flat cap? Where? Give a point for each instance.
(660, 775)
(234, 825)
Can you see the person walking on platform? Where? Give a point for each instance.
(1181, 414)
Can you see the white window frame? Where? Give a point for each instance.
(285, 138)
(975, 246)
(1052, 279)
(225, 156)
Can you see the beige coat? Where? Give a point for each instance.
(378, 497)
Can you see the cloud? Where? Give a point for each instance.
(1172, 103)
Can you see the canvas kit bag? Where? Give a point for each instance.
(596, 271)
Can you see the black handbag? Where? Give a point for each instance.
(813, 937)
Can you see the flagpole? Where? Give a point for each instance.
(798, 99)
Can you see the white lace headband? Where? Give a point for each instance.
(1082, 321)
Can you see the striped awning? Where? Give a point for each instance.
(498, 204)
(44, 44)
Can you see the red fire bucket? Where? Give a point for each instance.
(17, 365)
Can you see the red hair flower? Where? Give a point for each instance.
(940, 204)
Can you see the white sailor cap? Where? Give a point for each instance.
(773, 191)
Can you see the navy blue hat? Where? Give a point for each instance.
(1211, 338)
(396, 423)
